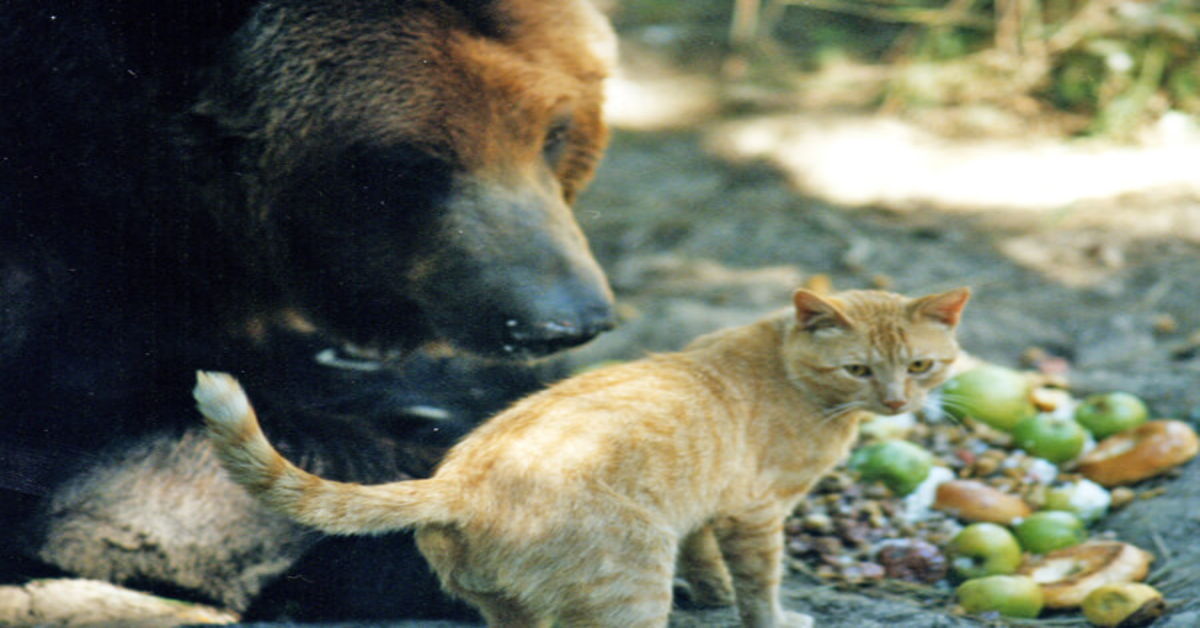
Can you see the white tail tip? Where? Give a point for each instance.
(220, 398)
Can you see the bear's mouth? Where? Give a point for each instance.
(515, 342)
(352, 357)
(548, 338)
(523, 338)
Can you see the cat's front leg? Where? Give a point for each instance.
(792, 619)
(752, 544)
(703, 568)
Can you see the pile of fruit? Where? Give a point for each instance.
(997, 497)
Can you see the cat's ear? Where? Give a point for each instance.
(815, 313)
(945, 307)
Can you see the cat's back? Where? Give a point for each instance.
(607, 401)
(619, 414)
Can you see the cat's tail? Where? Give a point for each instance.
(333, 507)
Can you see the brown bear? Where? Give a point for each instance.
(358, 181)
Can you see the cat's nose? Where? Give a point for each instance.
(894, 404)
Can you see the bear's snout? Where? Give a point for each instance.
(514, 275)
(536, 302)
(559, 320)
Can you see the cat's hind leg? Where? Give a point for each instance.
(635, 602)
(627, 584)
(703, 568)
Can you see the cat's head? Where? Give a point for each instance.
(871, 350)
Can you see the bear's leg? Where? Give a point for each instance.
(72, 602)
(160, 514)
(365, 578)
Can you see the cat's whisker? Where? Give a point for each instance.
(942, 415)
(951, 401)
(836, 412)
(842, 408)
(938, 406)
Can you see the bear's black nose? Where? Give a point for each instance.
(555, 330)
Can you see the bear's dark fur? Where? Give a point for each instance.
(245, 185)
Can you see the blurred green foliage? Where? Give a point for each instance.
(1119, 63)
(1105, 67)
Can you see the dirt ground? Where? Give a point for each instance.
(694, 242)
(1085, 251)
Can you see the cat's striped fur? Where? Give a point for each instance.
(573, 505)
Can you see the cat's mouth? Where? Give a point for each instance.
(886, 408)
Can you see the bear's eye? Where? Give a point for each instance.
(858, 370)
(555, 143)
(916, 367)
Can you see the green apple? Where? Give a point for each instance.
(1106, 414)
(1051, 437)
(984, 549)
(898, 464)
(1086, 499)
(1048, 530)
(1011, 596)
(995, 395)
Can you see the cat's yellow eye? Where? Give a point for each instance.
(858, 370)
(917, 367)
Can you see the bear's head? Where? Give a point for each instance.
(409, 166)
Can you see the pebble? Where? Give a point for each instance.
(912, 560)
(1121, 496)
(818, 522)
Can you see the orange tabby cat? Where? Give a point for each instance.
(573, 505)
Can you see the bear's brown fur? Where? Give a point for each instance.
(358, 175)
(427, 174)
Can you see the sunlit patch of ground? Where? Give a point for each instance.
(1070, 208)
(867, 160)
(709, 209)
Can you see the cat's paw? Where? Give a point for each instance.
(711, 591)
(792, 619)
